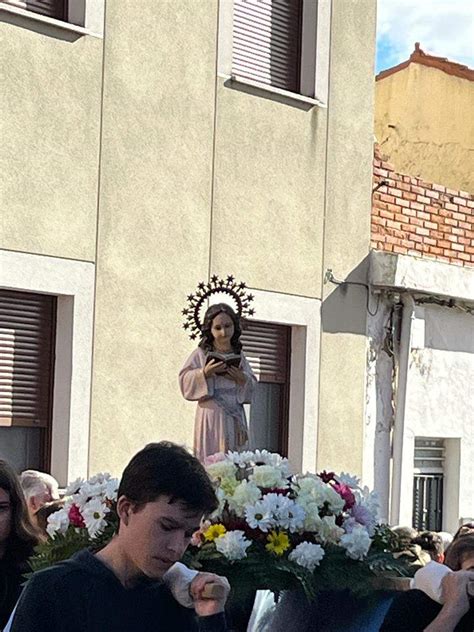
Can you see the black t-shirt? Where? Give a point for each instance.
(413, 611)
(11, 579)
(84, 595)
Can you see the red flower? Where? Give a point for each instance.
(75, 517)
(327, 477)
(346, 494)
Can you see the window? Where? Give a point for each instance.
(279, 43)
(51, 8)
(267, 348)
(267, 42)
(27, 336)
(428, 484)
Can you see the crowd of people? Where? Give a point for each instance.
(163, 496)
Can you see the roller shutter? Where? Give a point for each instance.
(27, 326)
(267, 42)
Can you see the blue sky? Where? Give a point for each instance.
(443, 27)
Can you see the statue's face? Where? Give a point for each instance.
(222, 330)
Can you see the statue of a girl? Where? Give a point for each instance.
(220, 387)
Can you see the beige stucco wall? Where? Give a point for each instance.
(269, 176)
(346, 236)
(153, 219)
(51, 87)
(433, 135)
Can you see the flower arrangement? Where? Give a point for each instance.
(276, 531)
(88, 519)
(271, 530)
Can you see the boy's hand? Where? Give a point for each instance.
(207, 607)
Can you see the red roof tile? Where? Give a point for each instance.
(441, 63)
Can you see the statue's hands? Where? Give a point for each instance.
(206, 607)
(237, 375)
(213, 367)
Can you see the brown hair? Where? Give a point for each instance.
(23, 537)
(207, 339)
(459, 550)
(167, 469)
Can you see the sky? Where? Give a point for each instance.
(443, 27)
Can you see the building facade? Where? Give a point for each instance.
(146, 147)
(423, 119)
(419, 433)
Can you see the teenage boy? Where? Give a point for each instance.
(162, 498)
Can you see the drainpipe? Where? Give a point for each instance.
(408, 316)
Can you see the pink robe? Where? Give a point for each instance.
(220, 422)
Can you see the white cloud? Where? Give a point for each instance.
(443, 27)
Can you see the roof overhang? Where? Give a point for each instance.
(413, 274)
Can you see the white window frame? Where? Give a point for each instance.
(303, 315)
(85, 17)
(73, 283)
(315, 45)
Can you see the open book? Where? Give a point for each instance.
(230, 359)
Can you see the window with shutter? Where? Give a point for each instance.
(27, 332)
(267, 38)
(51, 8)
(267, 347)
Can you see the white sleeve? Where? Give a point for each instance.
(429, 580)
(178, 579)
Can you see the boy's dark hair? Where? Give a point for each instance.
(458, 551)
(168, 469)
(430, 542)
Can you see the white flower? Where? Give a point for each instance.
(111, 487)
(260, 515)
(74, 487)
(101, 477)
(94, 513)
(233, 545)
(274, 459)
(357, 542)
(268, 476)
(246, 493)
(307, 554)
(311, 488)
(58, 522)
(289, 515)
(335, 502)
(80, 499)
(221, 469)
(348, 479)
(241, 459)
(329, 531)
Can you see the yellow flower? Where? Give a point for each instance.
(278, 542)
(214, 531)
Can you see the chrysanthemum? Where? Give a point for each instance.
(278, 542)
(214, 531)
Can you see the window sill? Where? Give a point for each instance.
(37, 17)
(283, 93)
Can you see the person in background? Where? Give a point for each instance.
(17, 540)
(162, 498)
(43, 514)
(411, 552)
(432, 543)
(39, 488)
(414, 611)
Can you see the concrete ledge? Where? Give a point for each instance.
(404, 272)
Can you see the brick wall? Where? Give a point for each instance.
(415, 217)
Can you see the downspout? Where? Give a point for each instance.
(408, 316)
